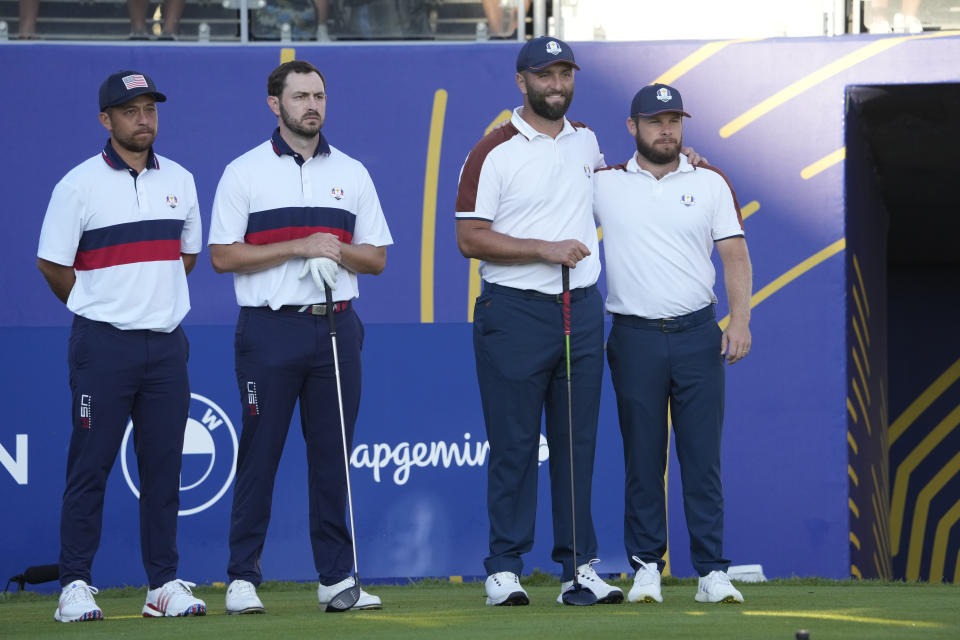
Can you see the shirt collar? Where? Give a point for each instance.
(683, 167)
(281, 148)
(529, 132)
(114, 161)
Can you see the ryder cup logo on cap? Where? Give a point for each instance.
(540, 53)
(209, 456)
(124, 86)
(657, 98)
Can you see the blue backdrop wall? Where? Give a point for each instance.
(769, 113)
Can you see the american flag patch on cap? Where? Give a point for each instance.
(134, 81)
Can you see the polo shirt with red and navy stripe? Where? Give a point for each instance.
(272, 194)
(123, 233)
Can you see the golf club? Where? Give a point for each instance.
(349, 596)
(576, 595)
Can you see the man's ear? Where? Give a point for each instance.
(274, 103)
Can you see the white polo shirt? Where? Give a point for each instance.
(658, 236)
(530, 185)
(271, 194)
(123, 233)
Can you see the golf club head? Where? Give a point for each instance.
(577, 596)
(344, 600)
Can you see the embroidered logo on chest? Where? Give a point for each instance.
(172, 201)
(687, 199)
(337, 193)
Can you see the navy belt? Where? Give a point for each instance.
(668, 325)
(575, 294)
(316, 309)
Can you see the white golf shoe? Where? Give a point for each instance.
(173, 600)
(77, 603)
(716, 587)
(588, 578)
(242, 598)
(504, 590)
(366, 601)
(646, 583)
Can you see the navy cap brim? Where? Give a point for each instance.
(159, 97)
(655, 113)
(553, 62)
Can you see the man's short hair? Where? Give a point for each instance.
(278, 77)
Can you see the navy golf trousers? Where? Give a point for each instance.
(116, 375)
(653, 361)
(521, 367)
(283, 356)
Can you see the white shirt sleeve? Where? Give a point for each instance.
(371, 227)
(62, 225)
(726, 222)
(231, 209)
(191, 239)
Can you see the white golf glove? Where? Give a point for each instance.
(323, 270)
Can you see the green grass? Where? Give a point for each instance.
(438, 609)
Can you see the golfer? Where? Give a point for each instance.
(524, 208)
(662, 218)
(289, 216)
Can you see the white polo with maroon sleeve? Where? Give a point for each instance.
(530, 185)
(658, 236)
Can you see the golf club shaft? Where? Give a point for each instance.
(566, 335)
(343, 427)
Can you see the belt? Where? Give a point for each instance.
(316, 309)
(575, 294)
(668, 325)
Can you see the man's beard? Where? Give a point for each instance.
(540, 106)
(659, 154)
(299, 128)
(130, 143)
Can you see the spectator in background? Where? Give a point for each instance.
(494, 13)
(28, 19)
(172, 10)
(906, 21)
(323, 13)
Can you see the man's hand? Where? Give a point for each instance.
(566, 252)
(320, 245)
(736, 341)
(693, 157)
(323, 270)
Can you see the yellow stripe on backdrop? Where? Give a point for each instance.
(921, 511)
(700, 55)
(901, 479)
(938, 557)
(924, 400)
(287, 54)
(749, 209)
(791, 275)
(824, 163)
(429, 220)
(850, 440)
(820, 75)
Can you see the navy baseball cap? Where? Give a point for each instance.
(657, 98)
(124, 86)
(540, 53)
